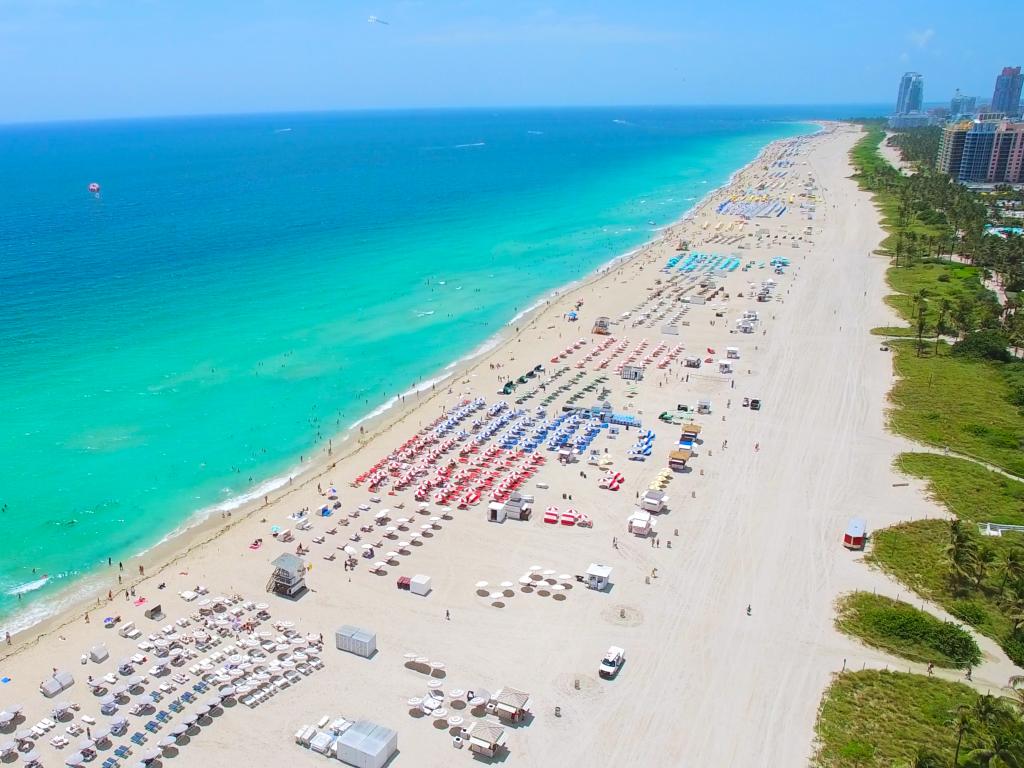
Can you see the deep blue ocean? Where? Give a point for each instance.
(242, 289)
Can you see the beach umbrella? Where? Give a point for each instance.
(200, 711)
(26, 735)
(166, 741)
(434, 685)
(149, 755)
(191, 719)
(212, 701)
(107, 700)
(120, 690)
(15, 708)
(455, 720)
(8, 746)
(414, 702)
(6, 717)
(436, 665)
(101, 734)
(86, 744)
(440, 712)
(410, 656)
(456, 693)
(419, 660)
(31, 756)
(179, 729)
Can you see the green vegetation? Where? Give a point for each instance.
(873, 719)
(968, 490)
(906, 631)
(960, 402)
(918, 145)
(979, 580)
(923, 212)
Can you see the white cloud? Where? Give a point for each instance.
(922, 38)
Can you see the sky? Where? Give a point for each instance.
(86, 59)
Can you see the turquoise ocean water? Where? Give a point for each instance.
(244, 288)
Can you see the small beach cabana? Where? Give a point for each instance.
(510, 704)
(640, 523)
(484, 738)
(496, 512)
(654, 502)
(598, 576)
(602, 326)
(367, 745)
(677, 459)
(855, 535)
(420, 585)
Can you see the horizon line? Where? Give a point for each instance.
(370, 110)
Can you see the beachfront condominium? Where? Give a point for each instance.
(951, 147)
(911, 94)
(983, 151)
(960, 105)
(1006, 96)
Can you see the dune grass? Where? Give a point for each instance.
(906, 631)
(969, 491)
(874, 719)
(962, 403)
(915, 554)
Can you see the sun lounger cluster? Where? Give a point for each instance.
(579, 344)
(642, 448)
(596, 352)
(169, 683)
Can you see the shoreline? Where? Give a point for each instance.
(756, 523)
(205, 525)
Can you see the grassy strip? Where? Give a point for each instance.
(962, 403)
(968, 490)
(873, 719)
(906, 631)
(915, 554)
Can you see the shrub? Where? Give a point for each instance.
(904, 630)
(983, 345)
(969, 612)
(1013, 645)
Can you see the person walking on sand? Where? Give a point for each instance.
(757, 447)
(447, 615)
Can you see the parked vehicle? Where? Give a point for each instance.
(612, 662)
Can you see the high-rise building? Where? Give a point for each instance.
(911, 93)
(983, 151)
(951, 147)
(1006, 96)
(962, 105)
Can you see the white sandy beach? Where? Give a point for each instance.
(704, 683)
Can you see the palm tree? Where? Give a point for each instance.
(1015, 687)
(1014, 606)
(945, 307)
(1012, 567)
(1002, 750)
(961, 724)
